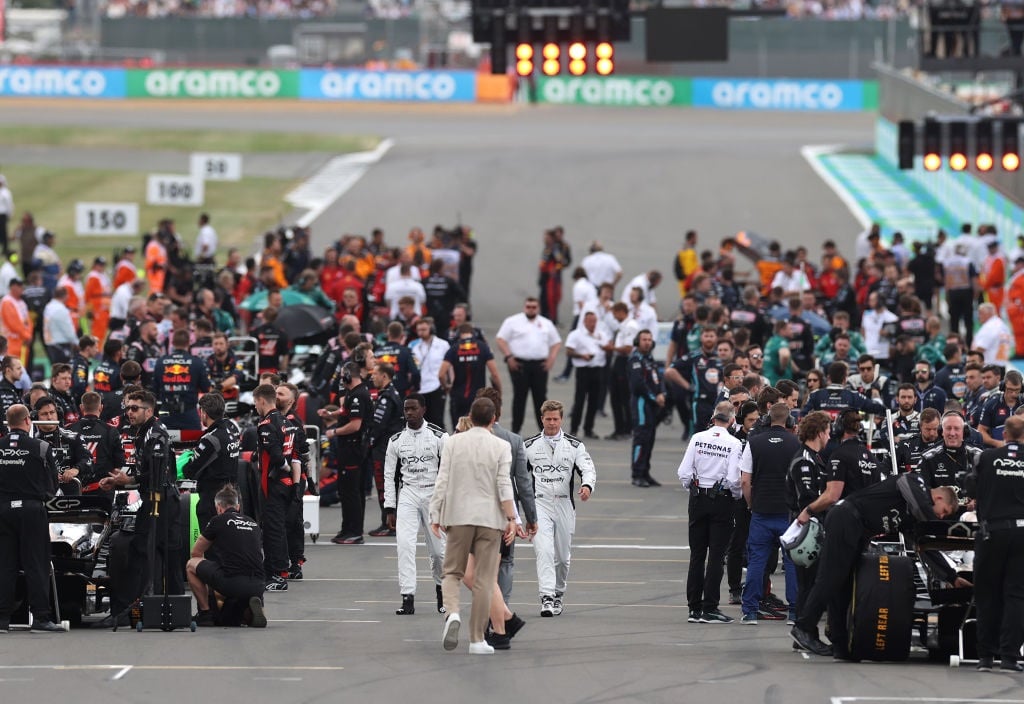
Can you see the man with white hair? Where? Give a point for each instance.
(993, 338)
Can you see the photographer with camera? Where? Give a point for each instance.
(710, 471)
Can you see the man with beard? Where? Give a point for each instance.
(145, 351)
(224, 368)
(60, 392)
(74, 463)
(911, 448)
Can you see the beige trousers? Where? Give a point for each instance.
(484, 544)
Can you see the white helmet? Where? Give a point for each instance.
(806, 546)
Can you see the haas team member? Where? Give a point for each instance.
(60, 392)
(999, 550)
(179, 378)
(414, 454)
(9, 394)
(647, 396)
(223, 368)
(384, 423)
(237, 571)
(154, 473)
(710, 470)
(74, 463)
(215, 460)
(287, 395)
(100, 439)
(274, 454)
(357, 408)
(272, 343)
(883, 508)
(554, 459)
(27, 479)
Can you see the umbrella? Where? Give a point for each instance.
(291, 297)
(304, 321)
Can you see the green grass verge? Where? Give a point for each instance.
(241, 211)
(182, 140)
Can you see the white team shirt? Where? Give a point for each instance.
(871, 325)
(627, 332)
(429, 355)
(404, 286)
(120, 300)
(529, 339)
(206, 242)
(585, 342)
(601, 268)
(639, 281)
(714, 456)
(994, 338)
(583, 293)
(645, 316)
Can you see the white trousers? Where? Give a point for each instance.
(413, 512)
(556, 522)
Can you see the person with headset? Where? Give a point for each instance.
(952, 377)
(868, 382)
(1000, 406)
(60, 392)
(106, 377)
(949, 462)
(911, 448)
(100, 439)
(145, 350)
(131, 375)
(354, 420)
(851, 466)
(464, 371)
(928, 394)
(74, 462)
(179, 378)
(647, 398)
(699, 373)
(395, 353)
(28, 477)
(295, 435)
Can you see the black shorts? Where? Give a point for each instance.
(229, 586)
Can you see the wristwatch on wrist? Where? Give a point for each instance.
(508, 357)
(510, 518)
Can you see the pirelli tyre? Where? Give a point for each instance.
(881, 616)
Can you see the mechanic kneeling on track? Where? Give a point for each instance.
(883, 508)
(237, 572)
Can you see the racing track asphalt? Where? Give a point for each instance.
(636, 180)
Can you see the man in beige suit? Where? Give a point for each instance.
(472, 503)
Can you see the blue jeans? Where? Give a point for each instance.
(765, 531)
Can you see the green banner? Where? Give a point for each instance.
(640, 91)
(212, 83)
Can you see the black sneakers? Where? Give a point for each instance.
(382, 531)
(985, 665)
(295, 572)
(513, 625)
(408, 606)
(277, 583)
(204, 619)
(715, 616)
(1008, 665)
(694, 616)
(498, 641)
(254, 617)
(342, 539)
(810, 642)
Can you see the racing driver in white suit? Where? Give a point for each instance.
(554, 458)
(416, 452)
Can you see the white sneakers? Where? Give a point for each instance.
(450, 637)
(450, 634)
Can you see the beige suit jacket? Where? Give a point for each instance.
(472, 481)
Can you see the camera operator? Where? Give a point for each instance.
(237, 571)
(129, 566)
(28, 477)
(74, 462)
(179, 377)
